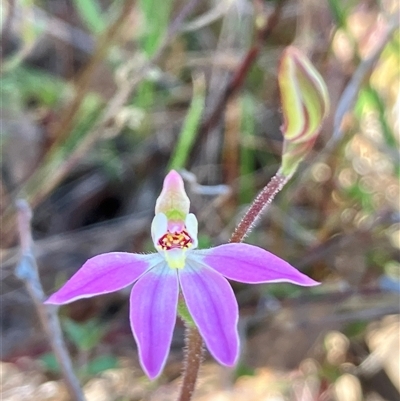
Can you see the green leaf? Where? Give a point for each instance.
(50, 362)
(84, 335)
(282, 290)
(91, 15)
(355, 329)
(380, 106)
(26, 84)
(101, 363)
(338, 12)
(247, 157)
(189, 129)
(244, 370)
(156, 20)
(204, 241)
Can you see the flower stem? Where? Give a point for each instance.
(263, 199)
(194, 341)
(193, 357)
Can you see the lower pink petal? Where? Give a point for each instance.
(103, 274)
(251, 264)
(154, 300)
(213, 307)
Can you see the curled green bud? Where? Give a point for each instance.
(305, 104)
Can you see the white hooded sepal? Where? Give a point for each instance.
(159, 227)
(192, 228)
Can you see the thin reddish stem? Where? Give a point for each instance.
(264, 198)
(193, 358)
(194, 341)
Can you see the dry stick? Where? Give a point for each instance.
(232, 88)
(27, 271)
(363, 71)
(83, 81)
(41, 182)
(238, 78)
(123, 94)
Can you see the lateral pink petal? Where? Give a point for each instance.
(154, 300)
(213, 307)
(251, 264)
(103, 274)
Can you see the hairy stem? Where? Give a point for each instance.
(193, 357)
(193, 339)
(264, 198)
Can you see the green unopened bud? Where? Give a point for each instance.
(305, 104)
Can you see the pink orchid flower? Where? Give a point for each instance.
(200, 276)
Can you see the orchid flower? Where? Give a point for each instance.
(199, 275)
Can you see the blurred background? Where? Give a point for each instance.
(101, 98)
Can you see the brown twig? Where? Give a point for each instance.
(239, 76)
(233, 87)
(27, 271)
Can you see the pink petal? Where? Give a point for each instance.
(212, 304)
(251, 264)
(102, 274)
(154, 300)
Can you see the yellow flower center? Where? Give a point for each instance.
(175, 245)
(180, 240)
